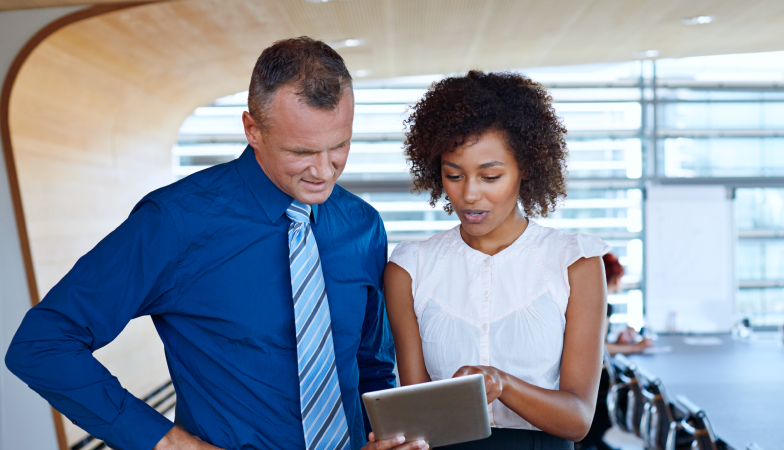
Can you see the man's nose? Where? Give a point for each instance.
(322, 166)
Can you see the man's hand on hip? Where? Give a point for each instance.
(179, 439)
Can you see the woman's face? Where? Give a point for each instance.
(482, 180)
(614, 285)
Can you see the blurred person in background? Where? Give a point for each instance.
(628, 341)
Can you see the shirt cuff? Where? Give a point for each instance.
(138, 427)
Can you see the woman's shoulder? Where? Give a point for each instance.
(406, 254)
(439, 240)
(571, 246)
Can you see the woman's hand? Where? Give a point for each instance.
(393, 444)
(494, 379)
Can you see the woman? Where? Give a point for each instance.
(499, 295)
(628, 341)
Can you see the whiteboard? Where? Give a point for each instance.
(689, 242)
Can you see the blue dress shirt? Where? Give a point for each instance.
(207, 258)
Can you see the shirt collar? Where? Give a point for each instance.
(273, 201)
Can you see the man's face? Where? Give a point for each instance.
(303, 150)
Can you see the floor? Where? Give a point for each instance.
(622, 440)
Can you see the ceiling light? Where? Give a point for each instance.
(698, 20)
(646, 54)
(362, 73)
(346, 43)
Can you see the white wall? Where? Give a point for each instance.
(25, 418)
(690, 277)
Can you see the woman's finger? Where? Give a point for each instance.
(388, 443)
(416, 445)
(466, 370)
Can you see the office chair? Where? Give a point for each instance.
(658, 415)
(617, 396)
(694, 426)
(635, 402)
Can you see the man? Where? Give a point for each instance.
(261, 276)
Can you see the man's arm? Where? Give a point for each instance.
(376, 355)
(130, 273)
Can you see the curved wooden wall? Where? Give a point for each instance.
(93, 114)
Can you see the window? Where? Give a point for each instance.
(715, 120)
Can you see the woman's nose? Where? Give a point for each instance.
(471, 191)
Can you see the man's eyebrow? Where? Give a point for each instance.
(491, 164)
(341, 144)
(310, 150)
(453, 165)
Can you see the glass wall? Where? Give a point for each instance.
(709, 120)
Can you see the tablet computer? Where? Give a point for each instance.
(439, 412)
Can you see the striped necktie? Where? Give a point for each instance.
(323, 418)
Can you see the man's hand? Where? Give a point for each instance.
(494, 379)
(179, 439)
(393, 444)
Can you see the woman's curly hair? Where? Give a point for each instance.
(456, 109)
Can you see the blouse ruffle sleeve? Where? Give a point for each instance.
(406, 255)
(581, 246)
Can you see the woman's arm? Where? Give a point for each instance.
(567, 412)
(405, 328)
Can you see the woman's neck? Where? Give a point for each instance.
(500, 237)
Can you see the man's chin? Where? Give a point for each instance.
(314, 197)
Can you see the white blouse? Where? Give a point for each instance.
(507, 310)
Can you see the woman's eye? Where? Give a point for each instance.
(452, 177)
(492, 178)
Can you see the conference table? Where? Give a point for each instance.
(738, 383)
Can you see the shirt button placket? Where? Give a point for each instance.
(484, 320)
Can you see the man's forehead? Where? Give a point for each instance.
(288, 105)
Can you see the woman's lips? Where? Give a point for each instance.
(474, 215)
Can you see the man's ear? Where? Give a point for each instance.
(252, 131)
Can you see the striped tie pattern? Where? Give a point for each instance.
(323, 418)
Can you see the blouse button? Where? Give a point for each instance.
(484, 360)
(484, 327)
(487, 294)
(487, 260)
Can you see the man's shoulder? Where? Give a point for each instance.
(353, 218)
(203, 184)
(355, 207)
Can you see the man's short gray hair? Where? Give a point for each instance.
(316, 70)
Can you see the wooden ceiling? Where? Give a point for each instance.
(410, 37)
